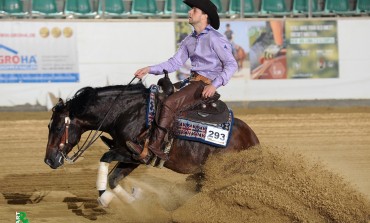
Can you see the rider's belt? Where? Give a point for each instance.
(197, 77)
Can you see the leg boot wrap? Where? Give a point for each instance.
(105, 198)
(102, 179)
(123, 195)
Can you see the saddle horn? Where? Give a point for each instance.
(166, 84)
(165, 73)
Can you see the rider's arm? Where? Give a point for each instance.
(174, 63)
(223, 49)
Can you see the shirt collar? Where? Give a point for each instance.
(205, 31)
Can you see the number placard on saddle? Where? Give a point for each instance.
(216, 134)
(209, 133)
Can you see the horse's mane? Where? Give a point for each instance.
(83, 98)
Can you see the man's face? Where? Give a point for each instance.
(196, 16)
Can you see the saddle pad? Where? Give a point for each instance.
(151, 108)
(217, 135)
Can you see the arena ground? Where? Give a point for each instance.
(312, 166)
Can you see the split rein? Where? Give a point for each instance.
(87, 143)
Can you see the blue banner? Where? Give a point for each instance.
(39, 78)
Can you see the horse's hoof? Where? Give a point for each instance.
(101, 203)
(105, 199)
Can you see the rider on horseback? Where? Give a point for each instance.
(212, 62)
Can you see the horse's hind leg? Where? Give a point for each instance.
(119, 172)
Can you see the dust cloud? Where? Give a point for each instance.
(269, 184)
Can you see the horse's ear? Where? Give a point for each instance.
(59, 105)
(60, 102)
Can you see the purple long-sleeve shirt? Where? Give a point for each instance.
(210, 55)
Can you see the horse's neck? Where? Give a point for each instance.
(104, 114)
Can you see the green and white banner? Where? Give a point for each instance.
(312, 49)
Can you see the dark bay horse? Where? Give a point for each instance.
(120, 112)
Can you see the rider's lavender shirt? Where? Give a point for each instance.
(210, 55)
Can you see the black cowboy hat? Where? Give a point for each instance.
(207, 7)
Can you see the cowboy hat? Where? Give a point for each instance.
(207, 7)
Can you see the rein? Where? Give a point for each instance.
(96, 135)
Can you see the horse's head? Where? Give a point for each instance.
(64, 134)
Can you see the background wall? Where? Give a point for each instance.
(109, 52)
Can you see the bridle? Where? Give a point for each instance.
(64, 139)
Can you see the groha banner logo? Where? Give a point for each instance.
(11, 60)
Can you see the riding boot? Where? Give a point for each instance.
(156, 142)
(189, 95)
(160, 130)
(154, 145)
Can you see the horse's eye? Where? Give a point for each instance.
(55, 128)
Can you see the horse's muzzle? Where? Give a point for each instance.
(56, 162)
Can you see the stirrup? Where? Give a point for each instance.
(140, 154)
(134, 147)
(144, 160)
(143, 154)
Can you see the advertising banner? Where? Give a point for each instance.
(312, 49)
(38, 53)
(278, 49)
(268, 50)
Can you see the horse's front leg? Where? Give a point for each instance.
(105, 197)
(121, 171)
(118, 173)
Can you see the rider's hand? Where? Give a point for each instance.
(142, 72)
(208, 91)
